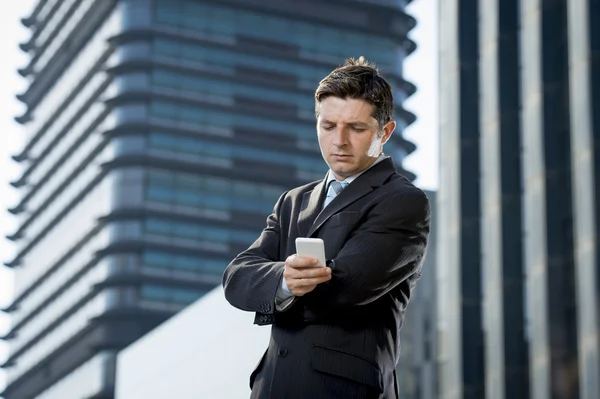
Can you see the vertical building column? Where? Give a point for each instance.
(502, 265)
(459, 282)
(547, 200)
(584, 196)
(491, 199)
(450, 353)
(534, 198)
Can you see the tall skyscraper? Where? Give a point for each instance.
(160, 134)
(519, 289)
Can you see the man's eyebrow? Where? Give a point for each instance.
(352, 124)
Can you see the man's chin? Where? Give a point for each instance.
(343, 172)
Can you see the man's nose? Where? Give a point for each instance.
(340, 138)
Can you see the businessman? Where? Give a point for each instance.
(335, 327)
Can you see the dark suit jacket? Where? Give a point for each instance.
(342, 339)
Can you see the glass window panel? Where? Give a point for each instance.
(155, 292)
(184, 296)
(211, 265)
(186, 263)
(215, 185)
(216, 202)
(200, 84)
(186, 180)
(187, 230)
(189, 198)
(158, 226)
(308, 36)
(201, 146)
(160, 194)
(156, 258)
(165, 47)
(195, 22)
(208, 193)
(197, 231)
(168, 16)
(245, 189)
(216, 234)
(170, 261)
(161, 177)
(227, 58)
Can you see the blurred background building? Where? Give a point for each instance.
(159, 136)
(518, 287)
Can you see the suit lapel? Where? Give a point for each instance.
(363, 185)
(356, 190)
(312, 202)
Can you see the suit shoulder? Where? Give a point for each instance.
(299, 191)
(401, 183)
(400, 186)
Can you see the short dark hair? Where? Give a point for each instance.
(359, 79)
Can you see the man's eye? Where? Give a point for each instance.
(327, 127)
(358, 130)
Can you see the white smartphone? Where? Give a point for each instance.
(314, 247)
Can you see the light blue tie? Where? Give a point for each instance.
(335, 187)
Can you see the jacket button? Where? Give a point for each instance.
(283, 352)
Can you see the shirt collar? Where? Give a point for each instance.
(350, 179)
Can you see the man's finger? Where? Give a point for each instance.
(296, 261)
(308, 282)
(303, 287)
(306, 272)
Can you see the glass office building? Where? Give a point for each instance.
(519, 288)
(160, 133)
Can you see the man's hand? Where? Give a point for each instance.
(303, 273)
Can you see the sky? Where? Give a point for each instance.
(420, 69)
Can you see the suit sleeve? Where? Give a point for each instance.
(383, 252)
(251, 280)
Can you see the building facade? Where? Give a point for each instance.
(159, 135)
(518, 277)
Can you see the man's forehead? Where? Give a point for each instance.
(347, 101)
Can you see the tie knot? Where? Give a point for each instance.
(338, 186)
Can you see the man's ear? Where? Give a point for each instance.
(388, 129)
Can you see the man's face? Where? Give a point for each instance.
(350, 138)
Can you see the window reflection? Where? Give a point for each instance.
(206, 192)
(221, 20)
(199, 146)
(165, 294)
(221, 87)
(228, 60)
(170, 262)
(208, 117)
(197, 231)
